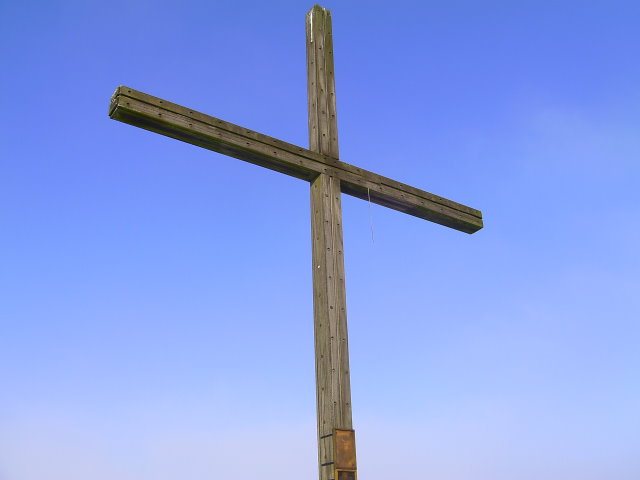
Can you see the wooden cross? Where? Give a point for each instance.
(328, 177)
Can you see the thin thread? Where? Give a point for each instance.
(373, 240)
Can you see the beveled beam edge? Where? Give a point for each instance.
(152, 113)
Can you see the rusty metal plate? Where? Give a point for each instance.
(346, 475)
(344, 450)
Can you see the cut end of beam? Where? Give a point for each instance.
(320, 8)
(114, 100)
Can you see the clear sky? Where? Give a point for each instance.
(155, 305)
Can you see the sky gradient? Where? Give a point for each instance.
(156, 309)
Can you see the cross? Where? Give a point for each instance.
(328, 177)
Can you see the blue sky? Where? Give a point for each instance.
(156, 311)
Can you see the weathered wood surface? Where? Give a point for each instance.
(320, 165)
(160, 116)
(333, 386)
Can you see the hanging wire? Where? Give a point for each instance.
(373, 240)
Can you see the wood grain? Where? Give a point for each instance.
(333, 386)
(329, 178)
(188, 125)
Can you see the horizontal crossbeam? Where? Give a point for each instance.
(151, 113)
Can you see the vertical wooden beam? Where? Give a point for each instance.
(321, 87)
(333, 388)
